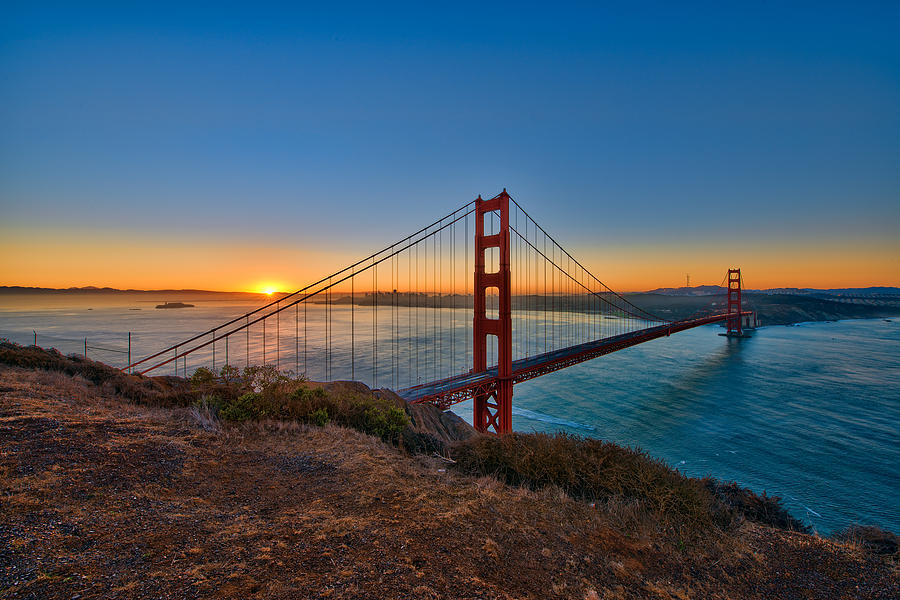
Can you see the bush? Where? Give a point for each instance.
(258, 378)
(202, 377)
(387, 423)
(872, 539)
(593, 470)
(305, 401)
(319, 417)
(371, 415)
(243, 408)
(209, 402)
(418, 442)
(764, 509)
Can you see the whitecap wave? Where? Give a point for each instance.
(536, 416)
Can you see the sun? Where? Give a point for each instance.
(267, 288)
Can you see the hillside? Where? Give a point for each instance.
(105, 497)
(773, 309)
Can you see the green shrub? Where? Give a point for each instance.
(202, 377)
(319, 417)
(306, 400)
(371, 415)
(385, 422)
(593, 470)
(243, 408)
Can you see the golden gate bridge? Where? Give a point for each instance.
(413, 317)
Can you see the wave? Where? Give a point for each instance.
(536, 416)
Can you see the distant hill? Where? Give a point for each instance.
(90, 289)
(700, 290)
(856, 292)
(773, 309)
(17, 290)
(715, 290)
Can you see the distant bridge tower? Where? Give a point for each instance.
(493, 408)
(734, 303)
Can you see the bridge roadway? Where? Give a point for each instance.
(447, 392)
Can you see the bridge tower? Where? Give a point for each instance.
(734, 303)
(493, 408)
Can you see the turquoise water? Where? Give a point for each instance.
(810, 413)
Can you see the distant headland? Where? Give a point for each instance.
(779, 306)
(90, 289)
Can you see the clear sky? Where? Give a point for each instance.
(225, 146)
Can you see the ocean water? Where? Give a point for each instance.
(810, 413)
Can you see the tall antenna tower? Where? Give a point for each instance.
(687, 280)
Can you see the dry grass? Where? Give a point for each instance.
(103, 498)
(158, 391)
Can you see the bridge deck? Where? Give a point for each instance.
(449, 391)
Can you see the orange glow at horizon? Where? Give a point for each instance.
(267, 288)
(61, 261)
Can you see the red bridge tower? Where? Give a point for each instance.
(734, 303)
(493, 409)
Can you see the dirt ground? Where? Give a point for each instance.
(100, 498)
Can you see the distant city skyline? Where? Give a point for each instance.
(242, 149)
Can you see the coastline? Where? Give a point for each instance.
(892, 317)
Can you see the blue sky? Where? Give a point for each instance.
(623, 129)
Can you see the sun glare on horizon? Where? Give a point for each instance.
(266, 288)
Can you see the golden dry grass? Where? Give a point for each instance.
(103, 498)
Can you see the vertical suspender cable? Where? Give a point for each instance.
(305, 337)
(409, 315)
(435, 307)
(418, 380)
(374, 324)
(466, 276)
(440, 309)
(452, 297)
(353, 327)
